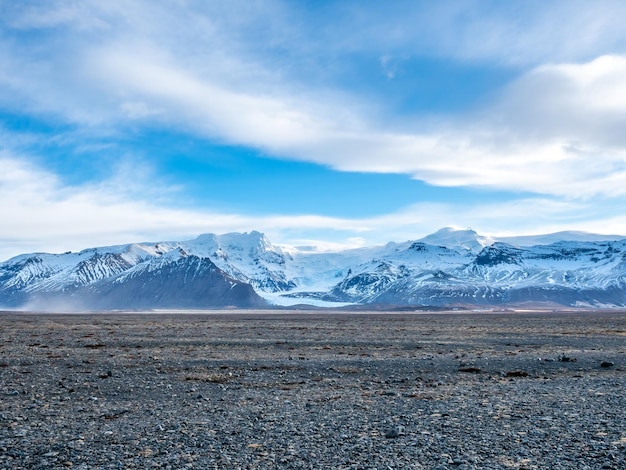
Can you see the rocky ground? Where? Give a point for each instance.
(342, 391)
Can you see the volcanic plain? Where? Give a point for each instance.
(311, 390)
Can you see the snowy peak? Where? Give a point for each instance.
(450, 237)
(247, 257)
(253, 241)
(470, 240)
(557, 237)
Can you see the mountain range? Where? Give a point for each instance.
(245, 270)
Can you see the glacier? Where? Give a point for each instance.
(450, 267)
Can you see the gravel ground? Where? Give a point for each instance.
(343, 391)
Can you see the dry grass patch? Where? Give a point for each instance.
(215, 378)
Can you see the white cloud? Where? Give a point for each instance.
(38, 213)
(553, 131)
(138, 110)
(557, 130)
(569, 100)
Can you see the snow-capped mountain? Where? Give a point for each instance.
(449, 267)
(247, 257)
(458, 239)
(141, 275)
(565, 273)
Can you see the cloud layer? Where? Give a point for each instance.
(263, 75)
(39, 214)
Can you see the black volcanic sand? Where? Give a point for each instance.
(263, 390)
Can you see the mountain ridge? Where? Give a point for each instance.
(244, 270)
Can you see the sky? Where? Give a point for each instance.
(333, 123)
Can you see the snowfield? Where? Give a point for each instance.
(449, 267)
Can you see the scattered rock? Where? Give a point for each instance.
(517, 373)
(339, 408)
(394, 432)
(567, 359)
(607, 364)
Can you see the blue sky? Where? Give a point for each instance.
(328, 123)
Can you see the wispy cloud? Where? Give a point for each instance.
(39, 213)
(236, 73)
(510, 33)
(555, 130)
